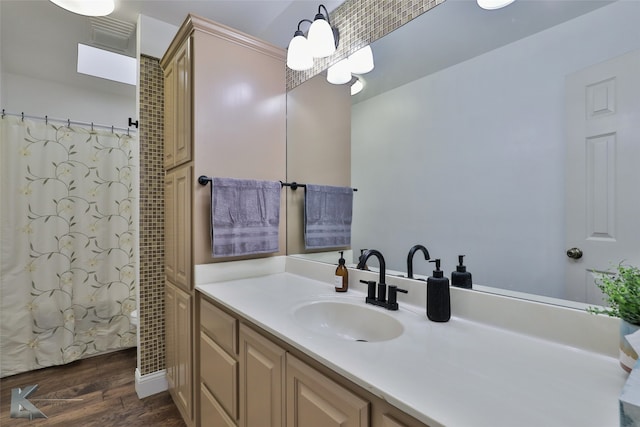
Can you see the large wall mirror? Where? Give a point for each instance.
(459, 143)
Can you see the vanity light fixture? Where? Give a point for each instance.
(323, 37)
(361, 61)
(87, 7)
(339, 73)
(299, 52)
(321, 41)
(494, 4)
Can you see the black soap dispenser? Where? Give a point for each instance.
(461, 278)
(438, 298)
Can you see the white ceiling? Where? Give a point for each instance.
(39, 39)
(458, 30)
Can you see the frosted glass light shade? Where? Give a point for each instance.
(321, 38)
(87, 7)
(339, 73)
(299, 54)
(494, 4)
(361, 61)
(356, 87)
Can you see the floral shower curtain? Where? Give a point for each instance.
(68, 265)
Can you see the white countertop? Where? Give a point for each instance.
(458, 373)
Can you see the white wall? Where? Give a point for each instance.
(92, 99)
(154, 36)
(40, 97)
(470, 160)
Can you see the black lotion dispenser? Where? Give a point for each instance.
(461, 278)
(438, 298)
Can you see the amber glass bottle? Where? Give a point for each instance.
(341, 278)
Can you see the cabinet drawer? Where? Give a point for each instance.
(211, 414)
(221, 327)
(219, 373)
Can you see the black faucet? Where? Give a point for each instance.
(412, 252)
(381, 299)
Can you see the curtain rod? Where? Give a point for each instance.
(69, 122)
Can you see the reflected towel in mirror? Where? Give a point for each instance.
(327, 216)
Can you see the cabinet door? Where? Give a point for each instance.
(170, 226)
(219, 374)
(313, 400)
(182, 236)
(262, 381)
(183, 346)
(388, 421)
(183, 103)
(211, 414)
(170, 334)
(169, 115)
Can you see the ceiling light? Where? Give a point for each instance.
(323, 38)
(361, 62)
(87, 7)
(299, 52)
(356, 87)
(339, 73)
(494, 4)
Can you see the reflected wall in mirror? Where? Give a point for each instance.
(318, 146)
(468, 154)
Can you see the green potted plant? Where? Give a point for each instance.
(622, 297)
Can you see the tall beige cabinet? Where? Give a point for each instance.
(225, 116)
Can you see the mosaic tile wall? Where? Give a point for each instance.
(360, 23)
(151, 345)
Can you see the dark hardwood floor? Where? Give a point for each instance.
(101, 391)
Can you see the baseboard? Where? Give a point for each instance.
(155, 382)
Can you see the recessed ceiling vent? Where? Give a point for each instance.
(113, 34)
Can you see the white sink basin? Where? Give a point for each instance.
(348, 321)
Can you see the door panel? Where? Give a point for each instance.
(603, 154)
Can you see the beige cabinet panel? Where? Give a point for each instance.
(183, 340)
(177, 107)
(385, 415)
(262, 381)
(313, 400)
(182, 237)
(178, 348)
(219, 373)
(183, 103)
(170, 333)
(177, 226)
(170, 226)
(220, 326)
(211, 414)
(169, 115)
(388, 421)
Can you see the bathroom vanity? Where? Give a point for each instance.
(284, 347)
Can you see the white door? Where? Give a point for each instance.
(603, 172)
